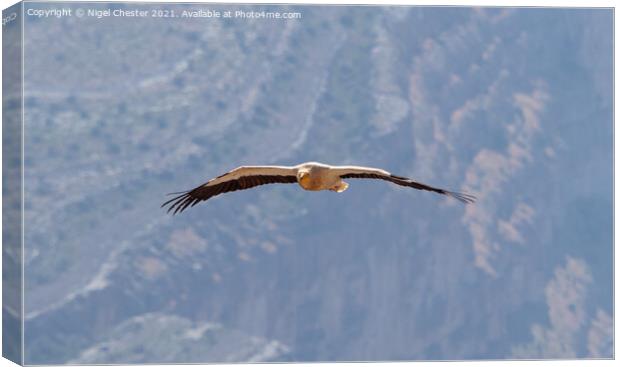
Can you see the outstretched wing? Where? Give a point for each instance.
(367, 172)
(238, 179)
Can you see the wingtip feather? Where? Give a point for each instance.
(463, 197)
(177, 202)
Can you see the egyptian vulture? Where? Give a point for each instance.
(310, 176)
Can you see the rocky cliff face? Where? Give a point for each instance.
(512, 105)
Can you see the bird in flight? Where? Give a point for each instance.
(310, 176)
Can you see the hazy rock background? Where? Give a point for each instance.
(513, 105)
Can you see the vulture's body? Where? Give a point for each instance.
(310, 176)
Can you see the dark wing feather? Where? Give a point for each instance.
(205, 192)
(404, 181)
